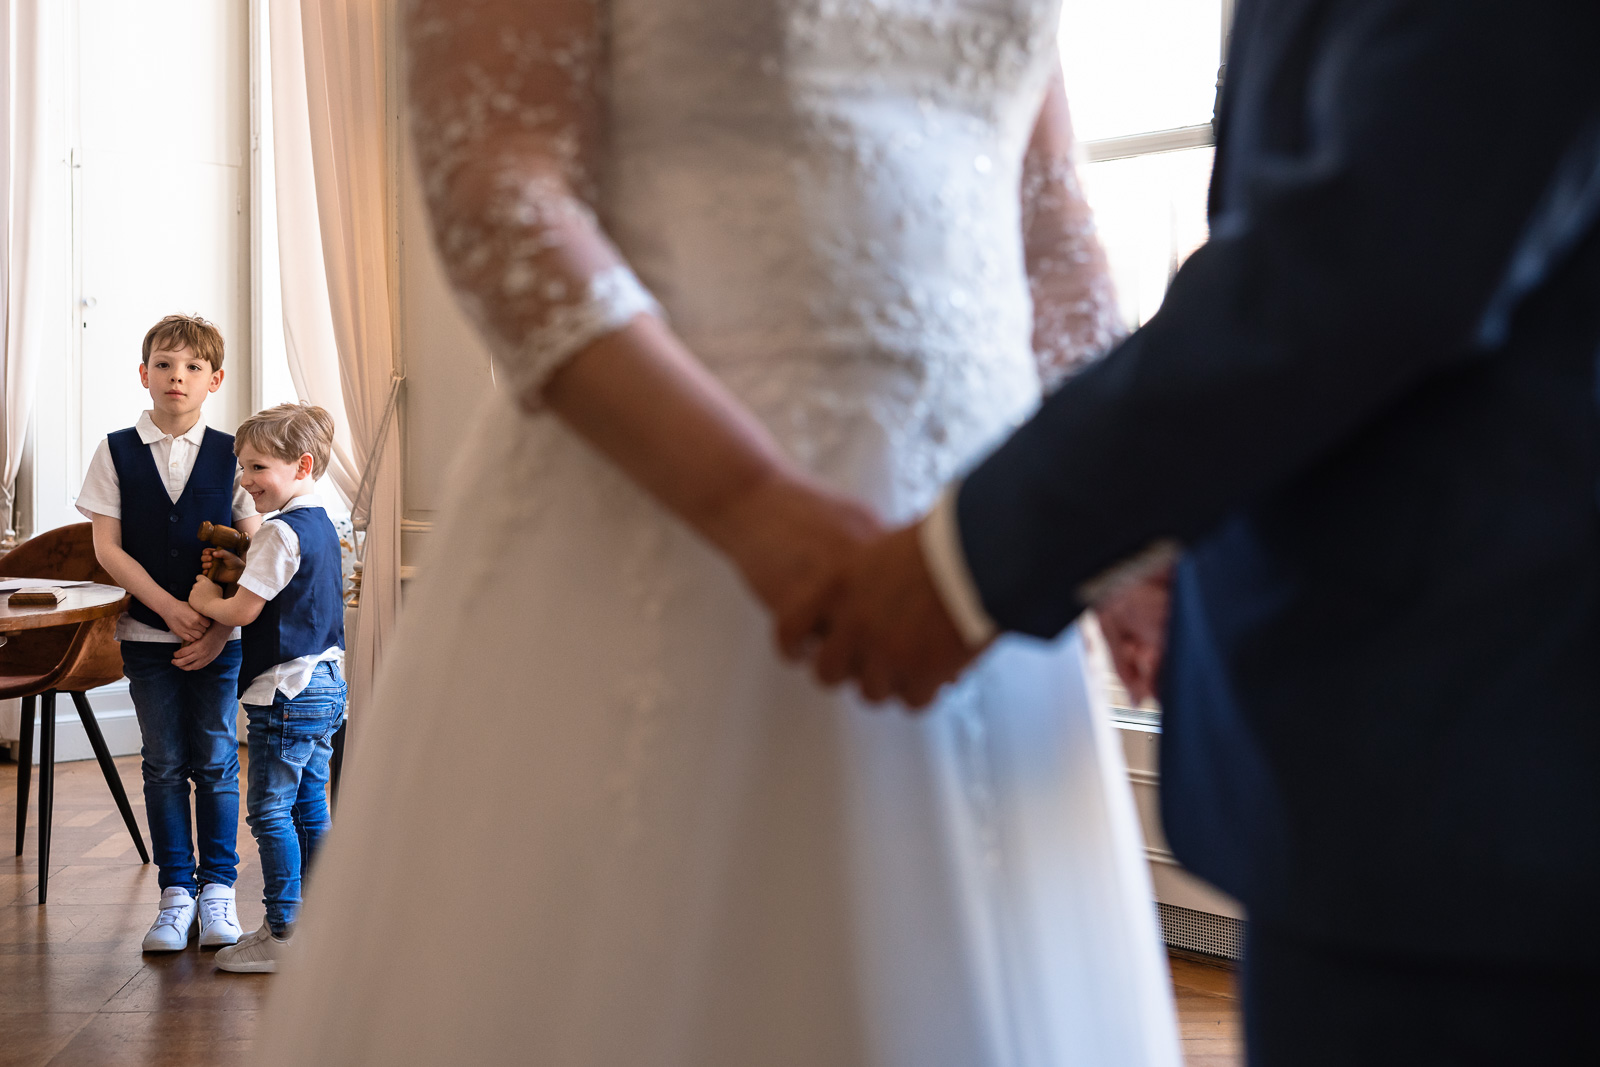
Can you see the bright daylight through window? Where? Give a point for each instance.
(1141, 80)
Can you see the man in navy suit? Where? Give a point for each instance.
(1369, 411)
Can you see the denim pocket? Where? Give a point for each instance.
(308, 720)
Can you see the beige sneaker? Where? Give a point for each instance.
(255, 953)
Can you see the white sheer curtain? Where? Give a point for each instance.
(307, 316)
(23, 266)
(329, 107)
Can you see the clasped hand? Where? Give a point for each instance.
(207, 588)
(203, 639)
(856, 601)
(230, 566)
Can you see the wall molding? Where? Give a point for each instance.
(113, 710)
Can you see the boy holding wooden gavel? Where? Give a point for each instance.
(290, 603)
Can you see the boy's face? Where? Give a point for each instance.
(270, 481)
(178, 381)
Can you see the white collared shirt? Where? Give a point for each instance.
(272, 561)
(174, 455)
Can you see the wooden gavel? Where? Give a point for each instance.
(229, 540)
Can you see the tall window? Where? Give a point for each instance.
(1141, 81)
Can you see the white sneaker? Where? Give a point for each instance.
(256, 953)
(172, 927)
(219, 923)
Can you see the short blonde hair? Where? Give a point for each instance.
(186, 331)
(289, 431)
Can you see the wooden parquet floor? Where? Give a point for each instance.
(75, 991)
(1208, 1013)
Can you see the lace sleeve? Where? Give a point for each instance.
(506, 109)
(1075, 316)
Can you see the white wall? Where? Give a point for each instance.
(163, 192)
(273, 382)
(447, 364)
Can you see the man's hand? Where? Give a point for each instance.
(198, 654)
(184, 621)
(231, 566)
(884, 625)
(1133, 619)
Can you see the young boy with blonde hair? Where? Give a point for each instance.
(147, 490)
(290, 603)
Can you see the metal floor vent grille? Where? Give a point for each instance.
(1199, 931)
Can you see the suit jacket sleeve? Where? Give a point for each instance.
(1356, 251)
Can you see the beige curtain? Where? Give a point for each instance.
(307, 316)
(332, 176)
(23, 264)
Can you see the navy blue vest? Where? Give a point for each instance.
(307, 615)
(163, 536)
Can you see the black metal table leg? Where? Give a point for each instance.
(24, 768)
(97, 741)
(47, 785)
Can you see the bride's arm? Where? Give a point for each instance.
(1075, 316)
(507, 110)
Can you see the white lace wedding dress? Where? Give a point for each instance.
(592, 819)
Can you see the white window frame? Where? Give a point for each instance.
(1173, 140)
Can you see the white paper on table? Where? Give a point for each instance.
(11, 585)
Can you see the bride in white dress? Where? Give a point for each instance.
(593, 819)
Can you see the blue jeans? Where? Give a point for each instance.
(291, 742)
(187, 727)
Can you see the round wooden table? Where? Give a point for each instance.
(83, 603)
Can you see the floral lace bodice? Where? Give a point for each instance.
(833, 200)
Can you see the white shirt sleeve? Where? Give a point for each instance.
(102, 492)
(940, 539)
(272, 561)
(243, 506)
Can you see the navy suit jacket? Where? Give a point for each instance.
(1369, 407)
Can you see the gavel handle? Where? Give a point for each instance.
(228, 588)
